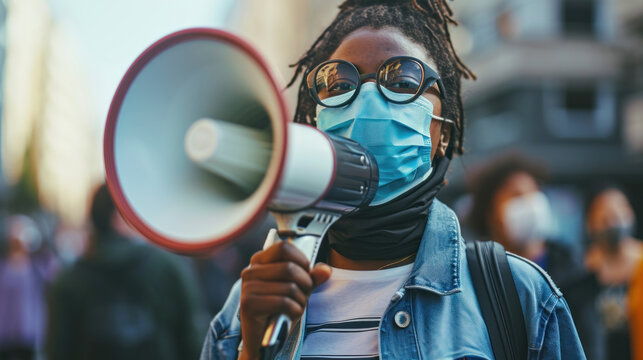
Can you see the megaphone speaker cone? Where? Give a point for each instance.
(151, 171)
(198, 145)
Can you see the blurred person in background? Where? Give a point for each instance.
(123, 299)
(615, 256)
(24, 275)
(510, 208)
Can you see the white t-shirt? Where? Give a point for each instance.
(344, 313)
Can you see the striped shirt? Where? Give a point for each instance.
(344, 313)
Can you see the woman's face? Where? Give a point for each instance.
(368, 48)
(515, 185)
(611, 208)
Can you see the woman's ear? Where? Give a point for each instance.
(445, 137)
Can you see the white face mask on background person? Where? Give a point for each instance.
(25, 230)
(527, 218)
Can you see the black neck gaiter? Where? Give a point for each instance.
(391, 230)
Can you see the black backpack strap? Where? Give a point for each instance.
(498, 298)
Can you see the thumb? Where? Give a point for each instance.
(320, 273)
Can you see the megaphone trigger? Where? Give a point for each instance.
(271, 238)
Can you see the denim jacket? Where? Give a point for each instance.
(435, 315)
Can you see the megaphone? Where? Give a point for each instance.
(198, 145)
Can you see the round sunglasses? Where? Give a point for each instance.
(400, 79)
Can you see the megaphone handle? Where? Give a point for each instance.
(279, 326)
(275, 336)
(307, 241)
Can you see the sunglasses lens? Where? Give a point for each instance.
(335, 83)
(400, 79)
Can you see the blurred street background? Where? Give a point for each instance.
(560, 83)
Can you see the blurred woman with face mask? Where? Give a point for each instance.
(615, 256)
(26, 269)
(509, 207)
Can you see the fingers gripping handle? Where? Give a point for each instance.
(279, 327)
(307, 241)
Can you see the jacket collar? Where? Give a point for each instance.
(437, 264)
(436, 269)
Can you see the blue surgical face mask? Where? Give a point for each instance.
(398, 135)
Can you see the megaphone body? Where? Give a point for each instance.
(199, 145)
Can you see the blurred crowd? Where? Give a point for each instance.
(104, 293)
(603, 284)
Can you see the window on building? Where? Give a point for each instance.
(635, 25)
(580, 99)
(633, 123)
(582, 112)
(579, 17)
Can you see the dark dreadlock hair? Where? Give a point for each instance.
(425, 22)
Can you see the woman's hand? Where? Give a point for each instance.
(278, 281)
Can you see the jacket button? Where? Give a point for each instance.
(402, 319)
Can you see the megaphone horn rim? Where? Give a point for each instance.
(132, 72)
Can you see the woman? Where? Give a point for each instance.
(26, 269)
(510, 208)
(399, 286)
(616, 258)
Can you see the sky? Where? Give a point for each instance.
(111, 33)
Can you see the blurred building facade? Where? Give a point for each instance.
(555, 76)
(3, 47)
(47, 139)
(282, 30)
(560, 81)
